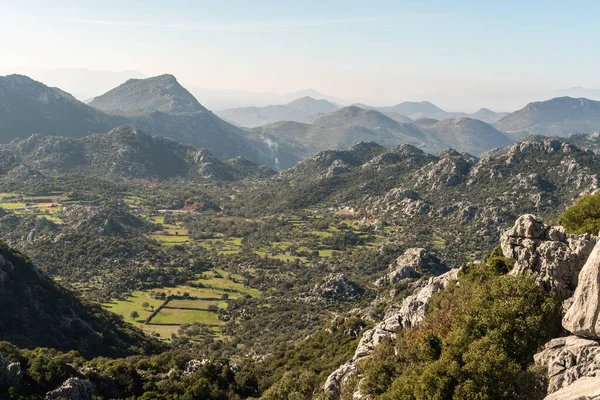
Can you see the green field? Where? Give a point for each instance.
(176, 316)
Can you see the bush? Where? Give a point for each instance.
(477, 341)
(583, 216)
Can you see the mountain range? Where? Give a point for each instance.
(159, 105)
(126, 152)
(348, 125)
(299, 110)
(307, 108)
(556, 117)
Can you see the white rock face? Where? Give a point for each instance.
(583, 389)
(582, 318)
(73, 389)
(410, 313)
(554, 257)
(10, 373)
(569, 359)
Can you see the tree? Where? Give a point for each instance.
(583, 216)
(145, 305)
(134, 314)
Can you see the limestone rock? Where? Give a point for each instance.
(410, 313)
(583, 317)
(336, 168)
(336, 287)
(10, 373)
(587, 388)
(73, 389)
(412, 264)
(553, 256)
(569, 360)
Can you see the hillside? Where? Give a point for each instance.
(560, 116)
(125, 152)
(467, 135)
(299, 110)
(348, 125)
(37, 312)
(157, 105)
(28, 107)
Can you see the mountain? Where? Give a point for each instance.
(487, 115)
(144, 96)
(352, 124)
(468, 135)
(298, 110)
(162, 106)
(82, 83)
(125, 152)
(158, 105)
(556, 117)
(346, 126)
(38, 312)
(28, 106)
(578, 91)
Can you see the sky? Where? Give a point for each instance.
(462, 53)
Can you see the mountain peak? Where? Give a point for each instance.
(161, 93)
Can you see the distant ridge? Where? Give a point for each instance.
(556, 117)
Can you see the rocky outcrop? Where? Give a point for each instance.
(336, 168)
(553, 256)
(408, 314)
(412, 264)
(73, 389)
(336, 287)
(10, 373)
(569, 359)
(587, 388)
(583, 317)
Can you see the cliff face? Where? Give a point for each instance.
(569, 266)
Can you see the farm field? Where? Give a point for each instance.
(189, 304)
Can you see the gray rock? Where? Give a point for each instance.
(410, 313)
(336, 168)
(73, 389)
(568, 360)
(412, 264)
(10, 373)
(336, 287)
(583, 317)
(554, 257)
(587, 388)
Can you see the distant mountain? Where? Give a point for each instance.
(487, 115)
(468, 135)
(37, 312)
(556, 117)
(28, 106)
(299, 110)
(578, 91)
(82, 83)
(144, 96)
(348, 125)
(125, 152)
(158, 105)
(406, 111)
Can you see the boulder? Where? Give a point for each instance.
(336, 287)
(10, 373)
(412, 264)
(587, 388)
(582, 318)
(553, 256)
(73, 389)
(569, 359)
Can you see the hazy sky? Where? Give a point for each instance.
(379, 51)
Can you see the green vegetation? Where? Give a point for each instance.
(477, 342)
(583, 216)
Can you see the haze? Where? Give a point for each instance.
(461, 55)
